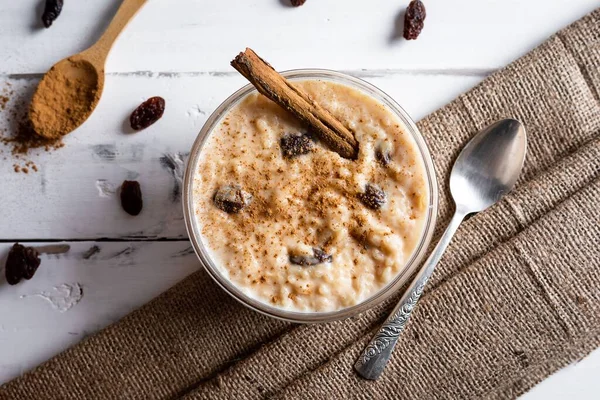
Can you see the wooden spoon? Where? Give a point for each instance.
(69, 92)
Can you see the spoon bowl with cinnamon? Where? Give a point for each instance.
(70, 91)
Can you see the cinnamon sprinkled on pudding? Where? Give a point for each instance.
(292, 223)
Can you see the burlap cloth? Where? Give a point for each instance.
(516, 296)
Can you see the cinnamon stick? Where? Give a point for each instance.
(274, 86)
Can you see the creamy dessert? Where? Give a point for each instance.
(293, 224)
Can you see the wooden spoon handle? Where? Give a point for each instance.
(99, 51)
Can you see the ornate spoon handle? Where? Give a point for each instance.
(376, 355)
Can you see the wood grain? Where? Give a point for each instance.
(192, 35)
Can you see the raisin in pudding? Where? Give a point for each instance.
(291, 223)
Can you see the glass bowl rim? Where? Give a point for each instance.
(297, 316)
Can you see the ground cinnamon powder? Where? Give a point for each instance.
(5, 96)
(65, 98)
(25, 139)
(18, 134)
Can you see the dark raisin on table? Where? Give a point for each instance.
(22, 262)
(373, 197)
(293, 145)
(147, 113)
(51, 12)
(297, 3)
(414, 19)
(232, 199)
(131, 197)
(318, 257)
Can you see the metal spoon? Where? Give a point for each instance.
(80, 80)
(486, 169)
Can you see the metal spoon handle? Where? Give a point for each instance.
(376, 355)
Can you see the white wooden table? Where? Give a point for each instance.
(181, 50)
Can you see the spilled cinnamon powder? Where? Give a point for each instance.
(5, 96)
(65, 98)
(3, 102)
(25, 139)
(18, 135)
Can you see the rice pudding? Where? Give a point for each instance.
(294, 225)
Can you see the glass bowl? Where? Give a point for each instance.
(296, 316)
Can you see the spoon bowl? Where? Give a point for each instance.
(488, 166)
(70, 91)
(66, 96)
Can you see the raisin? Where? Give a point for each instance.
(147, 113)
(293, 145)
(414, 19)
(22, 262)
(297, 3)
(131, 197)
(383, 155)
(51, 12)
(373, 197)
(318, 257)
(231, 199)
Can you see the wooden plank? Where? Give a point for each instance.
(64, 199)
(123, 276)
(191, 35)
(117, 279)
